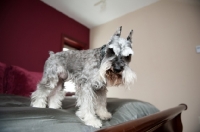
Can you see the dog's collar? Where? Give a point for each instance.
(103, 51)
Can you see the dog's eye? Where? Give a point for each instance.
(110, 52)
(127, 58)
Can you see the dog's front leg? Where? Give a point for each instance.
(101, 109)
(86, 101)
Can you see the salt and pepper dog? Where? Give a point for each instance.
(92, 71)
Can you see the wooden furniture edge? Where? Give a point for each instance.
(163, 121)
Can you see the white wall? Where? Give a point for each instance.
(165, 61)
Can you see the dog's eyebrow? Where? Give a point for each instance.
(127, 51)
(116, 48)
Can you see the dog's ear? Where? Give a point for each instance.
(117, 34)
(129, 38)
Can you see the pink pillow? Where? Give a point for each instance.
(2, 73)
(20, 81)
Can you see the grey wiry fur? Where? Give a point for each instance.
(91, 71)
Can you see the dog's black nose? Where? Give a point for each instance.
(117, 69)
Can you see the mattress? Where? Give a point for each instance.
(16, 115)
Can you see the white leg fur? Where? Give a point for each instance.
(89, 119)
(86, 100)
(55, 101)
(103, 113)
(56, 96)
(39, 98)
(92, 120)
(101, 109)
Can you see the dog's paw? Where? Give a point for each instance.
(55, 107)
(94, 123)
(105, 115)
(80, 115)
(38, 104)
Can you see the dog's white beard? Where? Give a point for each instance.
(128, 77)
(104, 67)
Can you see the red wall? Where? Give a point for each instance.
(30, 28)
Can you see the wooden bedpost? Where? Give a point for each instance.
(164, 121)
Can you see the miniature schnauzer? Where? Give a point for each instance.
(92, 71)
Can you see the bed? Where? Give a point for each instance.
(129, 115)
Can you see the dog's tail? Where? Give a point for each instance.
(51, 53)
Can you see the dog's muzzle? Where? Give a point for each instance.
(118, 69)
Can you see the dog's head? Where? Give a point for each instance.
(117, 56)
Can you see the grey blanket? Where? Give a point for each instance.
(16, 115)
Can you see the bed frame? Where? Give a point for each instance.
(165, 121)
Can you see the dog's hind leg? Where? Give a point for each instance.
(56, 96)
(51, 81)
(39, 97)
(44, 88)
(100, 107)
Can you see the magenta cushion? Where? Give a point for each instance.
(2, 73)
(20, 81)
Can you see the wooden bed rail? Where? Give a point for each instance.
(164, 121)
